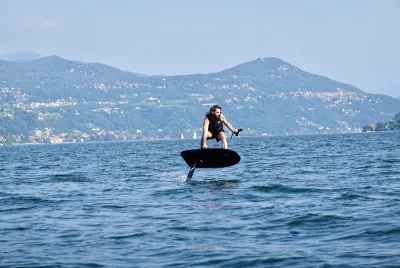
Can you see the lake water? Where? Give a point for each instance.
(293, 201)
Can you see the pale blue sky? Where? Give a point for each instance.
(352, 41)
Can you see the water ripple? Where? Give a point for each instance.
(295, 201)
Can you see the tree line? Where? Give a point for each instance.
(393, 124)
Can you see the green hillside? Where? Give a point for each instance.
(57, 100)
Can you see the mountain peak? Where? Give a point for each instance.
(260, 66)
(52, 58)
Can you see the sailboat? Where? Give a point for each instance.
(194, 135)
(182, 137)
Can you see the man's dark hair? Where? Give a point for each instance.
(214, 108)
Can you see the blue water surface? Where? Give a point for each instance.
(293, 201)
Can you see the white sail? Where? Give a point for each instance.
(194, 135)
(182, 137)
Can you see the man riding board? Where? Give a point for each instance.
(213, 127)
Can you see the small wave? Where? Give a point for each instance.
(178, 176)
(249, 261)
(114, 206)
(118, 237)
(305, 172)
(282, 188)
(47, 166)
(19, 203)
(350, 196)
(391, 161)
(83, 264)
(29, 199)
(388, 173)
(178, 228)
(23, 167)
(66, 236)
(18, 209)
(73, 177)
(394, 231)
(218, 184)
(169, 191)
(316, 219)
(385, 166)
(19, 229)
(221, 181)
(364, 167)
(379, 234)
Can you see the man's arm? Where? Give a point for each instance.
(205, 131)
(227, 124)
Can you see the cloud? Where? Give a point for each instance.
(40, 22)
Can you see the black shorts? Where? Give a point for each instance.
(214, 135)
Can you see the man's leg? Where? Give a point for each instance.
(203, 143)
(222, 137)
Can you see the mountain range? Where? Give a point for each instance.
(21, 56)
(51, 99)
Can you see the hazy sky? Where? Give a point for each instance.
(352, 41)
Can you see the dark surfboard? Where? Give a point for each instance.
(210, 158)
